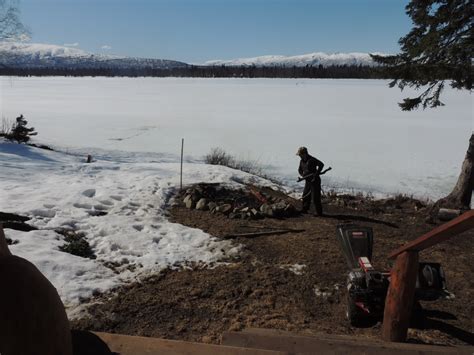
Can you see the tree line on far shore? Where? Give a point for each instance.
(195, 71)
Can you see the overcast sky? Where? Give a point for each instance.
(198, 30)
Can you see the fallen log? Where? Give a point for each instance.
(447, 214)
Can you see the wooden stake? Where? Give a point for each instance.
(181, 172)
(400, 297)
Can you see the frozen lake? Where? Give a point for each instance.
(355, 126)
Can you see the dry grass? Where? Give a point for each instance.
(218, 156)
(6, 126)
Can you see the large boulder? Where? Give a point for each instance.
(32, 316)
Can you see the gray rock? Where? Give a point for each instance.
(186, 199)
(279, 206)
(212, 206)
(226, 208)
(201, 204)
(267, 210)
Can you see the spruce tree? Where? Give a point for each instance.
(20, 132)
(438, 49)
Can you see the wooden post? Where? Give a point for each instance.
(181, 171)
(400, 297)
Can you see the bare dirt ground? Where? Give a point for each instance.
(262, 287)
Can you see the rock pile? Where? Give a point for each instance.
(243, 203)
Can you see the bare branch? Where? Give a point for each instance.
(11, 28)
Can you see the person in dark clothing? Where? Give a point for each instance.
(310, 168)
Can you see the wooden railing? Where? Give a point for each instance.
(401, 292)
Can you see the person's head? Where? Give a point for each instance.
(302, 152)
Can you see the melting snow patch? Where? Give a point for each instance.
(122, 217)
(326, 292)
(297, 269)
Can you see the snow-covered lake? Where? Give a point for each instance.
(355, 126)
(133, 127)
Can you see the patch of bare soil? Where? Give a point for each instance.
(293, 281)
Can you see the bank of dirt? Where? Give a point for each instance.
(293, 281)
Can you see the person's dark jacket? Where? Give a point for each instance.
(310, 166)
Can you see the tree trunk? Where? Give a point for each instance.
(460, 197)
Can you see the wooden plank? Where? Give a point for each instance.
(257, 234)
(400, 297)
(258, 195)
(134, 345)
(439, 234)
(306, 344)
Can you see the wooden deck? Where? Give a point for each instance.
(251, 342)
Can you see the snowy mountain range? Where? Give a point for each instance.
(312, 59)
(36, 55)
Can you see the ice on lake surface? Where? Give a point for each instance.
(355, 126)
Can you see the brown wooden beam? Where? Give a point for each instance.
(134, 345)
(439, 234)
(400, 297)
(322, 344)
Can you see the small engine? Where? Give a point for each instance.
(367, 287)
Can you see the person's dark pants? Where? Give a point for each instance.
(312, 192)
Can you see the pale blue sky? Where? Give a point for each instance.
(199, 30)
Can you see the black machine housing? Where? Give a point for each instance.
(367, 287)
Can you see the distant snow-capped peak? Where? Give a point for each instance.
(42, 50)
(38, 55)
(318, 58)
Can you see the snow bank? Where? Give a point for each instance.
(58, 190)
